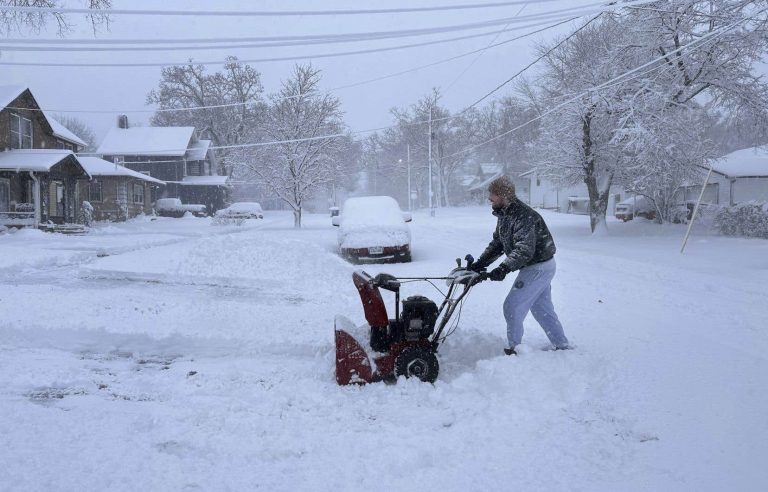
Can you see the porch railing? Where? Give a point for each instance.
(17, 219)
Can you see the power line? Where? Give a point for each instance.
(277, 13)
(466, 69)
(583, 9)
(280, 44)
(347, 86)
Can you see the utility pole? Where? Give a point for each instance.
(408, 160)
(431, 208)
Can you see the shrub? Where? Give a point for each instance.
(749, 219)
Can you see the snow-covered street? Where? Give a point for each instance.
(174, 354)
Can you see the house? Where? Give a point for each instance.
(116, 192)
(170, 154)
(543, 193)
(39, 170)
(484, 174)
(740, 176)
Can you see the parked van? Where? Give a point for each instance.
(636, 206)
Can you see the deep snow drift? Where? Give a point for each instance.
(174, 354)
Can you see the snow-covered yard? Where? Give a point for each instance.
(173, 355)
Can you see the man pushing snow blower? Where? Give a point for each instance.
(524, 238)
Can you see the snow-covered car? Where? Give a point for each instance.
(636, 206)
(241, 210)
(172, 207)
(373, 229)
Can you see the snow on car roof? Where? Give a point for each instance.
(370, 210)
(245, 206)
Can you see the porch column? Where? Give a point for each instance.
(36, 198)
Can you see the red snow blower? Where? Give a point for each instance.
(406, 345)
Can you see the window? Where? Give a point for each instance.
(138, 193)
(94, 192)
(193, 168)
(21, 132)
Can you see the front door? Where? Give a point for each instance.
(5, 195)
(56, 199)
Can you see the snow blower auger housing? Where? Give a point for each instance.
(406, 345)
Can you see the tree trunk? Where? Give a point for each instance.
(598, 199)
(297, 217)
(598, 203)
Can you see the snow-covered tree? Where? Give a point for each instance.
(628, 131)
(576, 142)
(313, 141)
(235, 93)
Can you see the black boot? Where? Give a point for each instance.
(510, 351)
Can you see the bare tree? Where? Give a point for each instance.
(79, 128)
(450, 134)
(230, 102)
(26, 22)
(312, 141)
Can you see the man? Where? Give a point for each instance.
(523, 237)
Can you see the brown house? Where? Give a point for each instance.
(39, 171)
(172, 154)
(116, 192)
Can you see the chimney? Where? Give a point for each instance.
(122, 121)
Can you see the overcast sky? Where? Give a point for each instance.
(125, 89)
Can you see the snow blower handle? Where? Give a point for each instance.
(470, 260)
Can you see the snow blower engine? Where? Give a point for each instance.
(406, 345)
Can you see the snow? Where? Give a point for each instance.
(242, 208)
(96, 166)
(372, 221)
(63, 132)
(752, 162)
(37, 160)
(198, 150)
(148, 140)
(165, 354)
(203, 181)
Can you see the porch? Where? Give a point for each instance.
(39, 187)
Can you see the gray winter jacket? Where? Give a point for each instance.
(522, 235)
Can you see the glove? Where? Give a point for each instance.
(477, 267)
(498, 273)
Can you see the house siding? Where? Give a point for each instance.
(114, 190)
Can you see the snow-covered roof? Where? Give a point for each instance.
(36, 160)
(490, 168)
(63, 132)
(99, 167)
(752, 162)
(198, 150)
(203, 181)
(147, 140)
(482, 185)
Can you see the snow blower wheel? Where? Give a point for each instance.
(419, 363)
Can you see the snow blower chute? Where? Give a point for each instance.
(406, 345)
